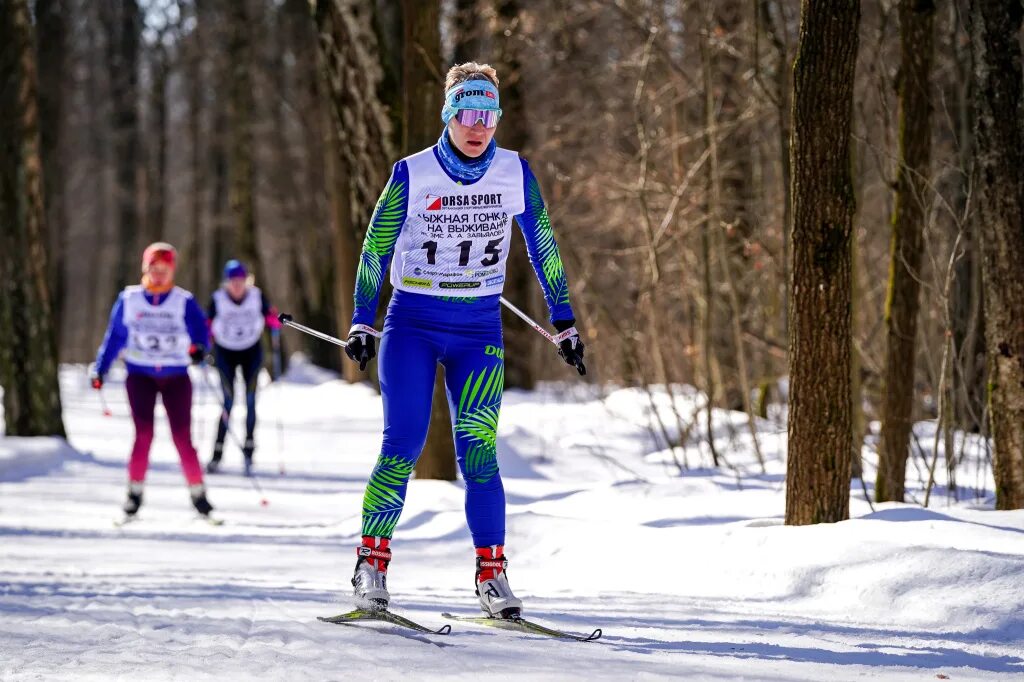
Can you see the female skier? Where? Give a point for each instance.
(238, 313)
(161, 328)
(445, 218)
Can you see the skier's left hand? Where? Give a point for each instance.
(570, 347)
(198, 353)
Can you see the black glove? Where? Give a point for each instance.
(569, 345)
(197, 353)
(362, 344)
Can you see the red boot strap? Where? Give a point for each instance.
(500, 563)
(374, 553)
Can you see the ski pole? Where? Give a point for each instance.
(103, 404)
(238, 441)
(286, 319)
(542, 331)
(275, 342)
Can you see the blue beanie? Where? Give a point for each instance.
(472, 94)
(234, 268)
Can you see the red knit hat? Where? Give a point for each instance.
(159, 252)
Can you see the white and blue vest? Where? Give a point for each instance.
(157, 334)
(455, 239)
(238, 326)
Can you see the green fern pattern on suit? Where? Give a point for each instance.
(382, 503)
(477, 421)
(549, 258)
(381, 235)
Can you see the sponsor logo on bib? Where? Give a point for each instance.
(417, 282)
(439, 203)
(459, 285)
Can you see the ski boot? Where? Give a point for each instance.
(213, 466)
(199, 501)
(496, 598)
(370, 583)
(134, 500)
(247, 451)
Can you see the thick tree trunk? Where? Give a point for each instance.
(999, 138)
(28, 351)
(820, 420)
(422, 83)
(241, 171)
(358, 139)
(521, 342)
(52, 49)
(911, 200)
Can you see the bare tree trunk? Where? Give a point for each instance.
(716, 219)
(999, 135)
(28, 351)
(157, 184)
(422, 83)
(820, 422)
(241, 171)
(967, 299)
(778, 35)
(123, 23)
(912, 175)
(196, 247)
(469, 35)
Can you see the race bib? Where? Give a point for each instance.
(238, 326)
(157, 334)
(456, 237)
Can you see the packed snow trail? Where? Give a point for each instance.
(688, 576)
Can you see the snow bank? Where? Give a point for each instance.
(24, 457)
(687, 568)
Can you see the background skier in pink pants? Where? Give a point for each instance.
(162, 330)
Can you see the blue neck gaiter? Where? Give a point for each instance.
(459, 166)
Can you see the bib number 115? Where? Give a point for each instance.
(492, 252)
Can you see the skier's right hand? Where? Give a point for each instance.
(362, 344)
(96, 381)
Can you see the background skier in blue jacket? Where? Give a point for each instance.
(238, 314)
(443, 225)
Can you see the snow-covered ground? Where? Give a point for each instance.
(690, 575)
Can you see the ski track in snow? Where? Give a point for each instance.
(688, 575)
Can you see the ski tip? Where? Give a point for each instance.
(595, 635)
(445, 629)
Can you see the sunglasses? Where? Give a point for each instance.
(469, 117)
(162, 256)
